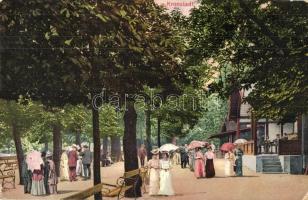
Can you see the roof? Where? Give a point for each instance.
(219, 135)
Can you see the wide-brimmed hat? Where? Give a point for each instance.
(48, 154)
(155, 151)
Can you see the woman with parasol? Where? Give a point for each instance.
(229, 157)
(239, 156)
(35, 164)
(165, 184)
(199, 163)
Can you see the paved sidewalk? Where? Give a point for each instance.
(252, 186)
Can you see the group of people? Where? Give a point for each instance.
(160, 181)
(204, 163)
(39, 175)
(234, 162)
(75, 162)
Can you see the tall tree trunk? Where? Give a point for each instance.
(158, 131)
(46, 145)
(105, 144)
(116, 148)
(19, 150)
(97, 151)
(130, 145)
(78, 137)
(57, 146)
(148, 131)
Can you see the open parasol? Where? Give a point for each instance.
(240, 141)
(34, 160)
(168, 147)
(227, 146)
(197, 144)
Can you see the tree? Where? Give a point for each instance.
(262, 43)
(16, 118)
(111, 128)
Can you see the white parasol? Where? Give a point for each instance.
(168, 147)
(240, 141)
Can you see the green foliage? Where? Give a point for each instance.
(211, 119)
(262, 46)
(109, 121)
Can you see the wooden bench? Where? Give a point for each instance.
(8, 166)
(127, 181)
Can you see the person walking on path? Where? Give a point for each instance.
(64, 167)
(142, 153)
(154, 167)
(239, 161)
(199, 164)
(79, 167)
(229, 163)
(165, 184)
(27, 177)
(184, 157)
(209, 163)
(86, 161)
(72, 163)
(52, 176)
(36, 164)
(46, 172)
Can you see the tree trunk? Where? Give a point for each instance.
(19, 150)
(57, 146)
(97, 151)
(158, 132)
(148, 131)
(105, 144)
(130, 146)
(116, 148)
(46, 145)
(78, 137)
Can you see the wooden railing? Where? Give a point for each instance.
(248, 148)
(289, 147)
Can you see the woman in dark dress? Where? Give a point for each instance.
(239, 161)
(27, 177)
(209, 163)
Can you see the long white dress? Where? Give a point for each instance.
(64, 167)
(166, 187)
(154, 165)
(229, 160)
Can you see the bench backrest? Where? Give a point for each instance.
(85, 193)
(97, 188)
(132, 173)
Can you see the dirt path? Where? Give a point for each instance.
(252, 186)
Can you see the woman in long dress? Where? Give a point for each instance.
(229, 163)
(199, 164)
(165, 184)
(64, 167)
(239, 161)
(209, 163)
(154, 166)
(38, 187)
(27, 177)
(52, 176)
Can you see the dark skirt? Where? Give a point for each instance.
(209, 168)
